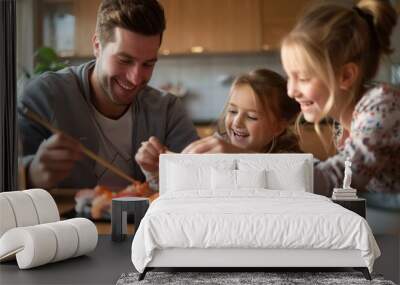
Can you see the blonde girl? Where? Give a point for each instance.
(255, 119)
(330, 57)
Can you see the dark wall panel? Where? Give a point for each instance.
(8, 131)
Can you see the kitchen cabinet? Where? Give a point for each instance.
(227, 26)
(278, 18)
(85, 25)
(203, 26)
(210, 26)
(171, 42)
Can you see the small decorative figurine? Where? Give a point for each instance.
(347, 192)
(347, 174)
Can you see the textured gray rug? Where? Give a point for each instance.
(230, 278)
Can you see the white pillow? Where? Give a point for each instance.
(251, 178)
(293, 179)
(281, 175)
(236, 179)
(223, 179)
(186, 175)
(183, 177)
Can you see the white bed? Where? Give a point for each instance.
(247, 210)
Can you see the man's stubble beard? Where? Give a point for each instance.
(106, 89)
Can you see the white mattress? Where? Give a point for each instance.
(256, 218)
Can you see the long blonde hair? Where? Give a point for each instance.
(328, 36)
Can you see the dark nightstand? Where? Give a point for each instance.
(121, 208)
(356, 205)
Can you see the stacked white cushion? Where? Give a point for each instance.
(31, 231)
(184, 177)
(226, 179)
(23, 209)
(32, 246)
(7, 218)
(26, 208)
(66, 238)
(45, 205)
(41, 244)
(87, 235)
(186, 173)
(283, 174)
(223, 179)
(251, 178)
(180, 172)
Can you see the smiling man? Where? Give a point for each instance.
(105, 104)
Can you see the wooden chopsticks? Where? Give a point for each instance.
(36, 118)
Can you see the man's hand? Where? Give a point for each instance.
(212, 144)
(148, 154)
(53, 161)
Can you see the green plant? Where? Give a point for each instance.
(47, 60)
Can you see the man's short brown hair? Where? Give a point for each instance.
(145, 17)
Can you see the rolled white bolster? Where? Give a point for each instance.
(67, 240)
(33, 246)
(23, 208)
(31, 230)
(40, 244)
(45, 205)
(87, 235)
(7, 217)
